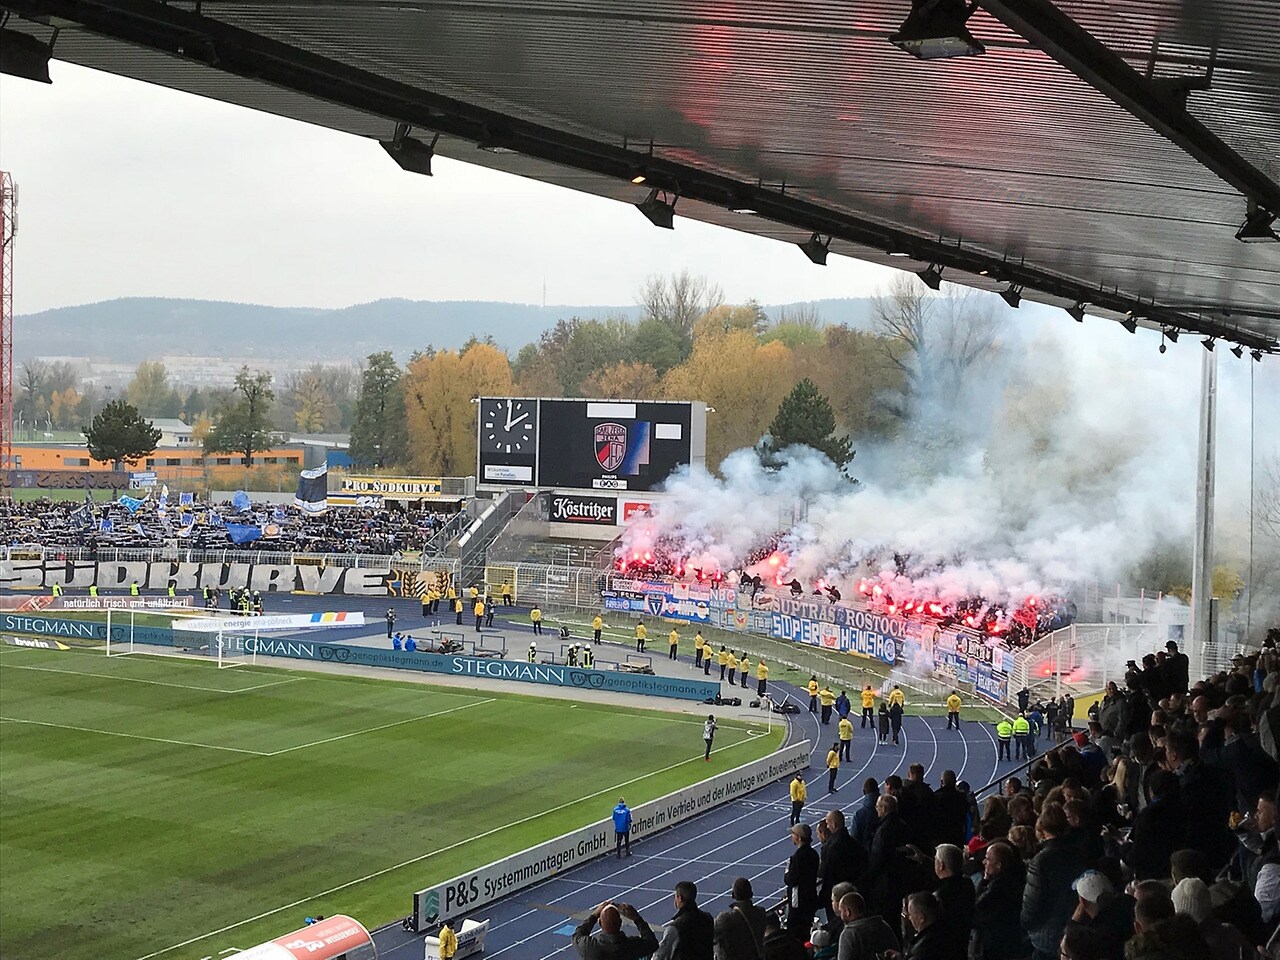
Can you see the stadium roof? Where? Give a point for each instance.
(1104, 152)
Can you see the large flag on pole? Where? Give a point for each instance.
(313, 490)
(243, 532)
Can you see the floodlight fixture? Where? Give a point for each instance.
(24, 56)
(932, 276)
(1208, 343)
(816, 249)
(660, 212)
(1130, 323)
(1163, 346)
(935, 30)
(1076, 312)
(899, 253)
(1012, 296)
(1238, 351)
(411, 154)
(639, 176)
(1257, 355)
(1171, 333)
(1258, 226)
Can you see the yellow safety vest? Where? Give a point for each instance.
(798, 790)
(762, 672)
(826, 697)
(845, 728)
(833, 759)
(953, 704)
(868, 699)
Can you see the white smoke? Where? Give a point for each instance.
(1078, 461)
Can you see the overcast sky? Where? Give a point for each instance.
(128, 189)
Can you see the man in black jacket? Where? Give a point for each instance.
(955, 896)
(950, 812)
(1048, 900)
(690, 934)
(1208, 797)
(1177, 669)
(1158, 829)
(739, 931)
(888, 874)
(841, 860)
(801, 878)
(928, 942)
(997, 908)
(865, 936)
(916, 807)
(612, 943)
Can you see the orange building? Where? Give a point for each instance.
(170, 464)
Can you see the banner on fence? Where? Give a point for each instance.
(478, 888)
(832, 636)
(37, 574)
(46, 602)
(303, 621)
(90, 630)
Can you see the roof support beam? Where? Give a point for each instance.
(1041, 23)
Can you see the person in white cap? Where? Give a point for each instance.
(1099, 907)
(533, 650)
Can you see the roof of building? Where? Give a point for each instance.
(170, 425)
(1101, 153)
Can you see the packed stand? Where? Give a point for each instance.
(75, 525)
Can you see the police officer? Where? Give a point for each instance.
(533, 650)
(1022, 737)
(1004, 734)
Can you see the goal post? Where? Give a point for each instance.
(235, 651)
(123, 645)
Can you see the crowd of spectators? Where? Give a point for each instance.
(1150, 836)
(79, 525)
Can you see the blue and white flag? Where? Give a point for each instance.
(186, 499)
(278, 515)
(215, 519)
(241, 500)
(82, 517)
(313, 490)
(164, 500)
(106, 526)
(138, 529)
(243, 532)
(131, 503)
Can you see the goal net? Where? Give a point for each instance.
(235, 651)
(119, 635)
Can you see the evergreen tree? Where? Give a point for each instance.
(805, 417)
(119, 434)
(378, 432)
(242, 424)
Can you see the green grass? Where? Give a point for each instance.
(159, 799)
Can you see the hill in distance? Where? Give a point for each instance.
(133, 329)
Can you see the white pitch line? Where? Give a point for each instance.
(428, 855)
(385, 726)
(154, 683)
(134, 736)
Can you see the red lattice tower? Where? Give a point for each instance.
(8, 228)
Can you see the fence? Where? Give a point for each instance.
(1085, 657)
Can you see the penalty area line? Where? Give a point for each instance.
(134, 736)
(385, 726)
(426, 856)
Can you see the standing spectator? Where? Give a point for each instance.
(833, 766)
(865, 936)
(391, 621)
(801, 879)
(739, 931)
(827, 699)
(953, 710)
(888, 875)
(690, 934)
(535, 616)
(868, 706)
(1157, 828)
(1208, 796)
(950, 812)
(895, 719)
(841, 859)
(1048, 900)
(997, 908)
(916, 805)
(1263, 872)
(1101, 909)
(955, 896)
(779, 944)
(845, 730)
(622, 828)
(611, 943)
(884, 722)
(799, 793)
(1177, 668)
(928, 941)
(708, 735)
(489, 609)
(865, 818)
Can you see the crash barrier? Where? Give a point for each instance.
(477, 888)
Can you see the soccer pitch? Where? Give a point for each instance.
(161, 807)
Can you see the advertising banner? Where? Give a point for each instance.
(65, 479)
(95, 631)
(45, 601)
(673, 608)
(816, 633)
(478, 888)
(266, 577)
(330, 939)
(990, 685)
(301, 621)
(568, 508)
(393, 488)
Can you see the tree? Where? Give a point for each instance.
(378, 431)
(245, 415)
(850, 369)
(64, 406)
(794, 335)
(622, 381)
(119, 434)
(150, 390)
(805, 417)
(719, 320)
(441, 418)
(655, 343)
(742, 379)
(679, 301)
(309, 405)
(535, 374)
(31, 401)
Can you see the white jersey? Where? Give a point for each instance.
(708, 730)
